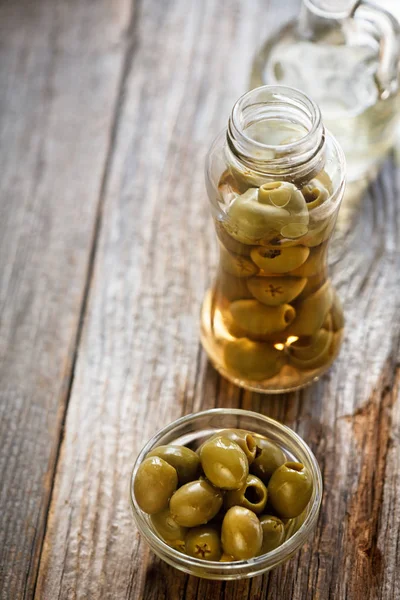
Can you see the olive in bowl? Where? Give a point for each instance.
(227, 522)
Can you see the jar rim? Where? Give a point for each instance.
(285, 93)
(243, 568)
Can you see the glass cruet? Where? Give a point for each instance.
(272, 322)
(345, 55)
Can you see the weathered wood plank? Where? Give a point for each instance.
(59, 75)
(140, 366)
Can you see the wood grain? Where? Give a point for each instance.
(139, 364)
(59, 81)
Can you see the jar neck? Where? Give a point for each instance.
(277, 131)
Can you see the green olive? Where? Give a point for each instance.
(275, 291)
(229, 242)
(337, 313)
(185, 461)
(251, 221)
(311, 312)
(204, 543)
(244, 179)
(324, 180)
(282, 194)
(313, 284)
(282, 260)
(154, 484)
(294, 230)
(269, 457)
(290, 526)
(227, 184)
(226, 558)
(232, 288)
(311, 353)
(290, 489)
(327, 324)
(195, 503)
(257, 318)
(241, 533)
(319, 231)
(169, 530)
(314, 264)
(285, 195)
(252, 495)
(253, 360)
(224, 463)
(244, 439)
(237, 265)
(228, 322)
(273, 533)
(315, 194)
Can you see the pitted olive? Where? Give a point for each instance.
(232, 288)
(254, 360)
(314, 264)
(241, 533)
(236, 265)
(290, 489)
(169, 530)
(282, 260)
(185, 461)
(252, 495)
(319, 231)
(337, 313)
(274, 291)
(226, 558)
(230, 325)
(311, 312)
(154, 484)
(224, 463)
(311, 353)
(269, 457)
(229, 242)
(195, 503)
(315, 194)
(285, 195)
(251, 221)
(244, 179)
(243, 438)
(273, 533)
(258, 318)
(204, 543)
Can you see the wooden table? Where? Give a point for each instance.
(107, 109)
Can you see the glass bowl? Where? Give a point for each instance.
(191, 431)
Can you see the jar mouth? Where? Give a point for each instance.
(266, 102)
(243, 568)
(339, 9)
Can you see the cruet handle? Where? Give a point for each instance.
(388, 34)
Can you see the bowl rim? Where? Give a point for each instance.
(258, 564)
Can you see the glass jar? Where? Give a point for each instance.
(191, 431)
(275, 178)
(345, 55)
